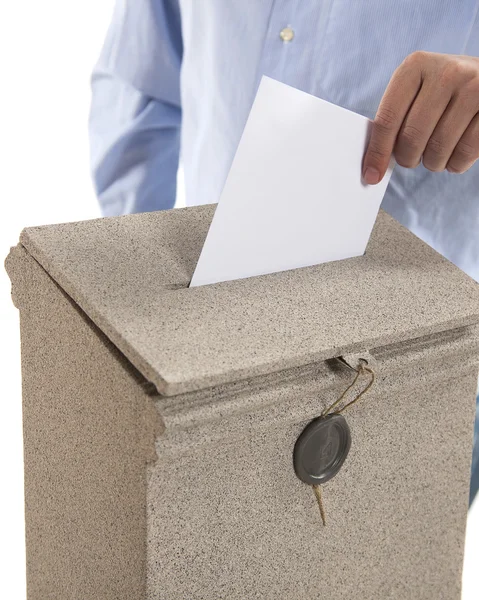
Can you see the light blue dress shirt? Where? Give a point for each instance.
(183, 74)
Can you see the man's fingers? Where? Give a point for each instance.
(419, 124)
(395, 104)
(466, 151)
(429, 110)
(447, 133)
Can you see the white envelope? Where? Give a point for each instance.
(294, 196)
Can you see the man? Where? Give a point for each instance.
(188, 70)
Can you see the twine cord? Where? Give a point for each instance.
(319, 498)
(363, 368)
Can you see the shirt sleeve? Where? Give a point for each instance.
(135, 113)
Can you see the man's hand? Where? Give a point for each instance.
(429, 111)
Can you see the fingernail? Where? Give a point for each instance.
(371, 176)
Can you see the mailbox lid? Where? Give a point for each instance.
(130, 275)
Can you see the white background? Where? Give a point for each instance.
(47, 50)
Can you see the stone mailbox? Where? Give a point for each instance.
(160, 421)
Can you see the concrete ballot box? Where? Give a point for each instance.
(160, 421)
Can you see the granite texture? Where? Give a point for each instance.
(134, 495)
(227, 517)
(89, 430)
(129, 274)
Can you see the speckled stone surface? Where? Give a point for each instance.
(134, 495)
(129, 275)
(89, 430)
(229, 519)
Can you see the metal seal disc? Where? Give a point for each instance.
(321, 449)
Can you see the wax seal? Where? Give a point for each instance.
(321, 449)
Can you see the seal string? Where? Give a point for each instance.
(359, 371)
(319, 497)
(363, 368)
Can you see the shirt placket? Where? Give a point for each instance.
(295, 28)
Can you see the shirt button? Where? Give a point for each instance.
(286, 34)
